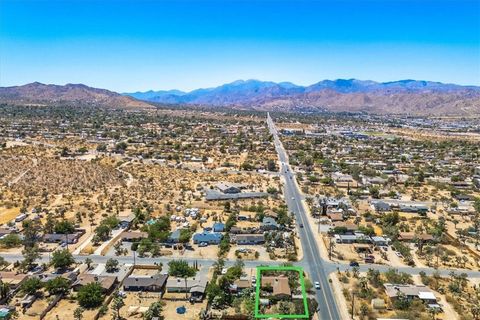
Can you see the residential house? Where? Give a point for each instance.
(411, 291)
(196, 287)
(218, 227)
(335, 217)
(5, 231)
(174, 236)
(279, 285)
(107, 283)
(269, 223)
(69, 238)
(248, 239)
(126, 222)
(380, 206)
(411, 236)
(13, 279)
(240, 284)
(226, 188)
(155, 283)
(207, 237)
(380, 241)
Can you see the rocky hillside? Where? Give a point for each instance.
(70, 94)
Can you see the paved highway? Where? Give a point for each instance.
(312, 261)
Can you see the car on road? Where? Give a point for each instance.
(398, 254)
(354, 264)
(317, 285)
(301, 225)
(293, 198)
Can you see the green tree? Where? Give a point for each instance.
(31, 285)
(271, 165)
(103, 232)
(180, 269)
(64, 227)
(57, 285)
(62, 259)
(11, 241)
(90, 295)
(185, 235)
(31, 232)
(30, 255)
(154, 311)
(111, 265)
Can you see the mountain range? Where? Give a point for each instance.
(350, 95)
(342, 95)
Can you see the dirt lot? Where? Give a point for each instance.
(64, 310)
(8, 214)
(193, 310)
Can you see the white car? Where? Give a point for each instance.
(317, 285)
(224, 271)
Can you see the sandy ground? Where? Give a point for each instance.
(134, 299)
(7, 215)
(193, 310)
(64, 310)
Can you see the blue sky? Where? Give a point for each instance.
(139, 45)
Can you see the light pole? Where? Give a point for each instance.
(353, 301)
